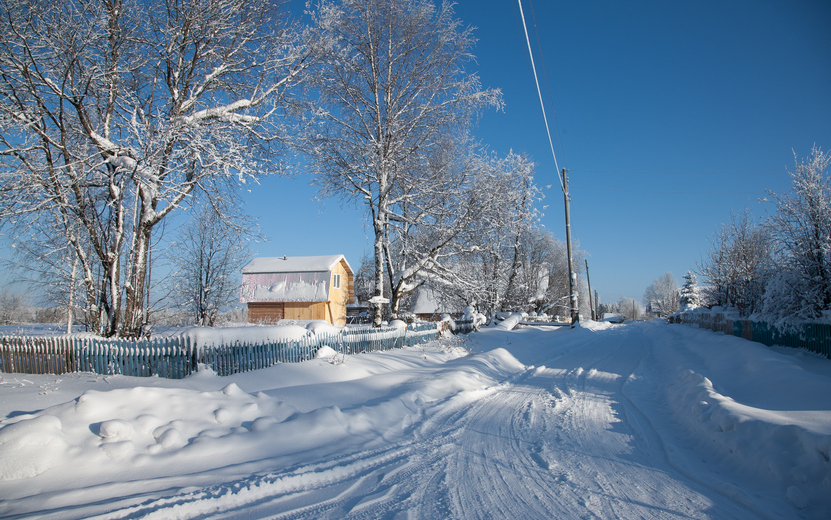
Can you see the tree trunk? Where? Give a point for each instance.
(379, 272)
(134, 291)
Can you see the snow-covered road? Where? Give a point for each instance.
(598, 422)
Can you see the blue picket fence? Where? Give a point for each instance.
(177, 357)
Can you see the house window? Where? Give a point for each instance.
(336, 281)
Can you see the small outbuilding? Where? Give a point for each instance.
(297, 288)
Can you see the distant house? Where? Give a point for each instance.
(427, 305)
(297, 288)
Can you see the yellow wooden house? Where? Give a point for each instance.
(297, 288)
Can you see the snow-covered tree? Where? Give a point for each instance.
(800, 289)
(13, 307)
(689, 298)
(487, 265)
(113, 112)
(738, 264)
(434, 218)
(661, 297)
(629, 308)
(392, 88)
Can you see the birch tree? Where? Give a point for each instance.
(392, 86)
(112, 111)
(435, 219)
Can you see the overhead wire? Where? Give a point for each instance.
(548, 86)
(539, 94)
(670, 172)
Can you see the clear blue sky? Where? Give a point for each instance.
(670, 115)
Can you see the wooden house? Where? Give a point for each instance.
(297, 288)
(428, 305)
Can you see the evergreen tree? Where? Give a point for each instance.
(689, 293)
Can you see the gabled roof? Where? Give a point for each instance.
(294, 264)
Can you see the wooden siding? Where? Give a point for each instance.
(265, 312)
(339, 298)
(305, 311)
(333, 311)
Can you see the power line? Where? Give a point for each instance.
(668, 192)
(668, 172)
(548, 84)
(539, 93)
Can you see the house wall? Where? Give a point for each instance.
(305, 311)
(270, 312)
(275, 311)
(340, 298)
(333, 311)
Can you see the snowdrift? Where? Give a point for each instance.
(761, 442)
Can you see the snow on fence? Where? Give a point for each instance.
(463, 326)
(177, 357)
(815, 337)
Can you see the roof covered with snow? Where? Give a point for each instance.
(293, 264)
(312, 286)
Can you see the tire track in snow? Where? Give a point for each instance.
(559, 440)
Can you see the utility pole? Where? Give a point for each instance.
(589, 281)
(572, 276)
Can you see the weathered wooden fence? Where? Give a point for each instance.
(815, 337)
(177, 357)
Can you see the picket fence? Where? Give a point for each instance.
(177, 357)
(815, 337)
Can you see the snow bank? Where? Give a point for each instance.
(212, 336)
(762, 442)
(139, 426)
(149, 432)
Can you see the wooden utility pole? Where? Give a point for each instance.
(589, 281)
(572, 276)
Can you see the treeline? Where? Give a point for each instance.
(121, 121)
(779, 268)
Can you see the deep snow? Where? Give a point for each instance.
(643, 420)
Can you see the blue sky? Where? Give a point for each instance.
(670, 116)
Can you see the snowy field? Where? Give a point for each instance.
(643, 420)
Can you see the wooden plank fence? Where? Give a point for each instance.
(177, 357)
(815, 337)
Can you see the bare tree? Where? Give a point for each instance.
(113, 111)
(12, 308)
(662, 296)
(209, 254)
(392, 88)
(435, 219)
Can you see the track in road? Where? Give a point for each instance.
(561, 440)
